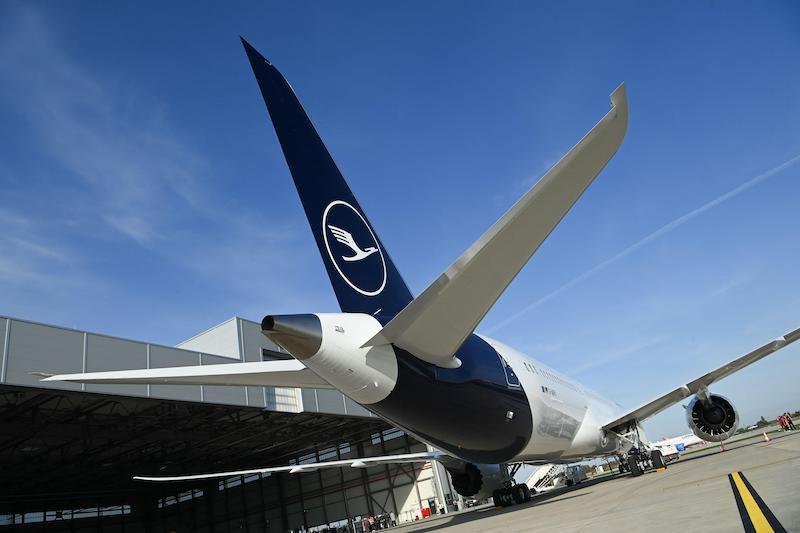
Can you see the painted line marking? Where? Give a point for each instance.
(756, 516)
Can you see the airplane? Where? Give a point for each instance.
(682, 442)
(483, 407)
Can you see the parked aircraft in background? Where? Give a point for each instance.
(417, 362)
(682, 442)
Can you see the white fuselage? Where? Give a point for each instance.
(567, 416)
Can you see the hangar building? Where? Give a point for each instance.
(68, 451)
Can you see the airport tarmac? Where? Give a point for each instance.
(693, 494)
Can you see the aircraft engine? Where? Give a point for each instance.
(478, 481)
(714, 419)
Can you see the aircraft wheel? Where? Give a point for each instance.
(570, 483)
(508, 497)
(502, 497)
(633, 464)
(527, 491)
(518, 494)
(497, 496)
(657, 458)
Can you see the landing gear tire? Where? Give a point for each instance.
(520, 494)
(633, 464)
(657, 458)
(570, 483)
(497, 497)
(502, 498)
(621, 469)
(511, 495)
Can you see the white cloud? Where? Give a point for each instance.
(118, 170)
(134, 168)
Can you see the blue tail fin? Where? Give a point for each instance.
(363, 276)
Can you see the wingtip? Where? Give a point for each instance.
(619, 96)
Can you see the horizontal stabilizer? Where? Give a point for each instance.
(365, 462)
(289, 373)
(438, 321)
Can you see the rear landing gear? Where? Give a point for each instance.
(633, 465)
(657, 459)
(514, 494)
(639, 460)
(521, 493)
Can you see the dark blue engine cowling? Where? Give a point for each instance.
(475, 412)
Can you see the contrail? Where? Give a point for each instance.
(646, 240)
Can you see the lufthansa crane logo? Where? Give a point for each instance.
(353, 248)
(346, 238)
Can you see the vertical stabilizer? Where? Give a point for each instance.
(362, 274)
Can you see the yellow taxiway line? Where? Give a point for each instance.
(756, 516)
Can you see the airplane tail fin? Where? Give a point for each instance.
(362, 274)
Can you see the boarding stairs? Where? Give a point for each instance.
(543, 476)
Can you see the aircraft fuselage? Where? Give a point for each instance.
(498, 406)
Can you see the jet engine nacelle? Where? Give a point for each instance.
(714, 419)
(478, 481)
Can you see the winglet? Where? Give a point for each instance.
(619, 98)
(435, 324)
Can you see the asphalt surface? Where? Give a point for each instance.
(693, 494)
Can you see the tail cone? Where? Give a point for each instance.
(300, 335)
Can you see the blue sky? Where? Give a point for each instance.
(143, 193)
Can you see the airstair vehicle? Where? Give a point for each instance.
(543, 476)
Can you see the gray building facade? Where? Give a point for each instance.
(68, 451)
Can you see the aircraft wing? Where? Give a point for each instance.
(693, 387)
(420, 457)
(435, 324)
(288, 373)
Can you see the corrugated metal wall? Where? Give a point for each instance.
(33, 347)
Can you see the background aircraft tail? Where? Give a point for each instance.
(363, 275)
